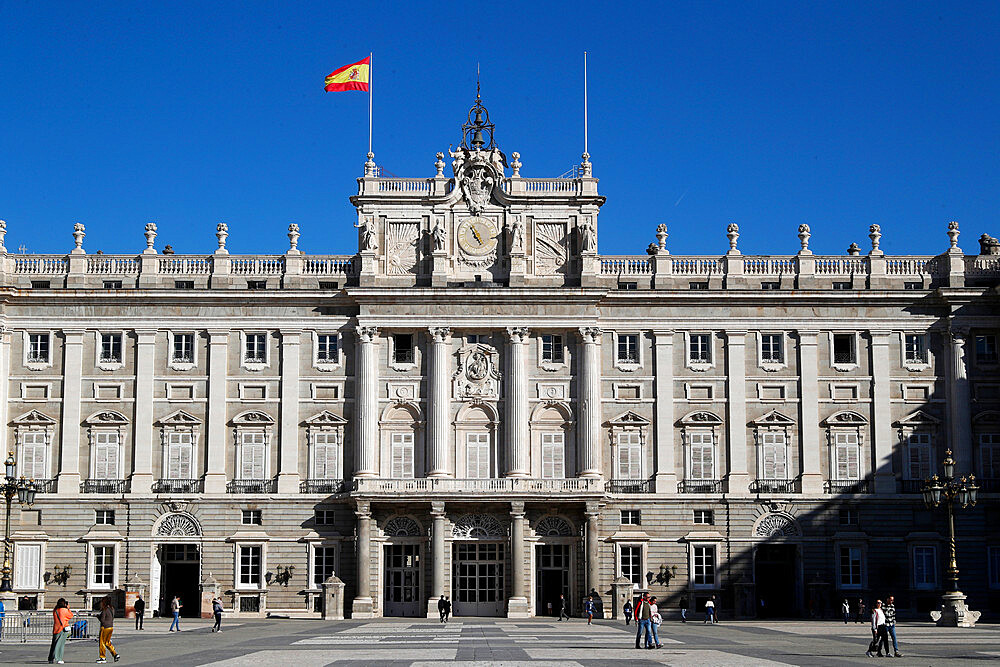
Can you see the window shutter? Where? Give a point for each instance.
(252, 465)
(553, 456)
(991, 459)
(33, 456)
(27, 558)
(774, 464)
(106, 456)
(848, 456)
(325, 456)
(402, 455)
(477, 455)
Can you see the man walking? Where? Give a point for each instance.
(627, 610)
(861, 610)
(890, 624)
(643, 614)
(447, 608)
(710, 611)
(175, 609)
(441, 606)
(217, 612)
(846, 610)
(562, 607)
(140, 611)
(684, 609)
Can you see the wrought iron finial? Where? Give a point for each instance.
(475, 131)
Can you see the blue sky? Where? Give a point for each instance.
(766, 114)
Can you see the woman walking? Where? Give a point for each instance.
(217, 612)
(654, 621)
(61, 617)
(107, 619)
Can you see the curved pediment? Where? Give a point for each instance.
(106, 418)
(253, 418)
(701, 418)
(845, 418)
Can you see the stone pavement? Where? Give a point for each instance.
(537, 642)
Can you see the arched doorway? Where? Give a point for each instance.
(176, 565)
(777, 567)
(553, 565)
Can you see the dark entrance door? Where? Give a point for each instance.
(776, 579)
(180, 575)
(552, 579)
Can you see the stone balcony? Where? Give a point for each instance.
(502, 488)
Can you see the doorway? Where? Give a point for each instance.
(552, 578)
(479, 580)
(181, 576)
(402, 580)
(776, 578)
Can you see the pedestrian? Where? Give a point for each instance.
(441, 606)
(627, 610)
(2, 616)
(890, 624)
(643, 624)
(684, 609)
(710, 611)
(447, 608)
(846, 609)
(654, 621)
(861, 611)
(140, 611)
(107, 619)
(175, 609)
(61, 617)
(715, 611)
(588, 607)
(880, 637)
(562, 606)
(217, 612)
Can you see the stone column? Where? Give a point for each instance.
(593, 514)
(589, 440)
(69, 464)
(959, 417)
(882, 439)
(366, 404)
(142, 424)
(517, 605)
(437, 557)
(438, 404)
(810, 442)
(736, 426)
(215, 441)
(666, 471)
(288, 462)
(363, 606)
(4, 368)
(516, 427)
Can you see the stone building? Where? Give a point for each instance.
(477, 404)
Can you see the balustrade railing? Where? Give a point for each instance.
(847, 486)
(407, 186)
(696, 266)
(328, 266)
(700, 486)
(44, 485)
(322, 486)
(626, 266)
(177, 486)
(110, 265)
(498, 485)
(629, 486)
(768, 266)
(258, 266)
(184, 266)
(840, 266)
(774, 486)
(104, 486)
(252, 486)
(40, 265)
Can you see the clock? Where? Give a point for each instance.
(477, 236)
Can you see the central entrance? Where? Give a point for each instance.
(775, 576)
(402, 580)
(180, 576)
(552, 577)
(479, 583)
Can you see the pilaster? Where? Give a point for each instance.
(588, 431)
(69, 465)
(810, 445)
(366, 410)
(215, 441)
(363, 606)
(438, 404)
(736, 428)
(518, 447)
(666, 471)
(288, 461)
(593, 514)
(882, 440)
(437, 557)
(142, 431)
(4, 372)
(959, 416)
(517, 605)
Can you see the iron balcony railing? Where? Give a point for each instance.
(628, 486)
(700, 486)
(252, 486)
(322, 486)
(177, 486)
(989, 485)
(774, 486)
(911, 485)
(847, 486)
(105, 486)
(44, 485)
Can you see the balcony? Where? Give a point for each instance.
(628, 486)
(699, 486)
(911, 485)
(499, 486)
(252, 486)
(322, 486)
(44, 485)
(177, 486)
(774, 486)
(838, 486)
(987, 485)
(105, 486)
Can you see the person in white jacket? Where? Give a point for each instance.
(880, 636)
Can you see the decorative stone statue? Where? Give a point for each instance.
(953, 234)
(3, 233)
(515, 164)
(366, 235)
(79, 231)
(875, 234)
(438, 236)
(150, 235)
(661, 236)
(733, 233)
(987, 245)
(853, 250)
(804, 239)
(588, 235)
(293, 238)
(517, 234)
(222, 233)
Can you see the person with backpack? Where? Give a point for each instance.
(61, 617)
(107, 619)
(217, 612)
(643, 614)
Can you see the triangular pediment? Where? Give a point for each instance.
(33, 418)
(845, 418)
(326, 418)
(629, 418)
(179, 418)
(918, 418)
(253, 418)
(701, 418)
(773, 418)
(106, 418)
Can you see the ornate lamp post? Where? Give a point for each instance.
(950, 491)
(24, 490)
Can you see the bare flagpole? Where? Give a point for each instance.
(585, 127)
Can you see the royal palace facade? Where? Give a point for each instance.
(477, 404)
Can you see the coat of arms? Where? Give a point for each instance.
(477, 184)
(477, 375)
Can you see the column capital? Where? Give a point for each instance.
(437, 509)
(736, 336)
(807, 336)
(958, 334)
(592, 510)
(367, 334)
(363, 510)
(663, 337)
(591, 335)
(518, 335)
(439, 334)
(517, 509)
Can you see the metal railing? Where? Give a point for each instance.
(104, 486)
(252, 486)
(177, 486)
(322, 486)
(628, 486)
(699, 486)
(847, 486)
(19, 627)
(774, 486)
(911, 485)
(988, 485)
(44, 485)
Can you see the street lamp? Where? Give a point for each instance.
(963, 492)
(25, 492)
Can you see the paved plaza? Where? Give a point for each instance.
(421, 642)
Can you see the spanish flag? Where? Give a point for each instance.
(349, 77)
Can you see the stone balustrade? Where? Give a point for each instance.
(482, 487)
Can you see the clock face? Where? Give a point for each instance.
(477, 236)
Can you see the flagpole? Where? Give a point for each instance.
(585, 127)
(370, 78)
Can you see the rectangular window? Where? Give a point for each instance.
(256, 284)
(478, 339)
(41, 284)
(629, 455)
(628, 286)
(111, 348)
(106, 450)
(704, 517)
(628, 348)
(770, 285)
(112, 284)
(33, 450)
(252, 452)
(770, 349)
(324, 517)
(704, 566)
(918, 456)
(915, 348)
(27, 566)
(183, 284)
(402, 455)
(702, 465)
(773, 453)
(38, 348)
(848, 516)
(700, 349)
(993, 561)
(989, 454)
(912, 285)
(553, 455)
(477, 455)
(104, 517)
(252, 518)
(323, 565)
(402, 349)
(325, 451)
(326, 349)
(256, 348)
(552, 348)
(183, 352)
(848, 456)
(631, 564)
(986, 349)
(104, 566)
(842, 285)
(250, 566)
(698, 285)
(631, 518)
(843, 349)
(850, 567)
(180, 454)
(924, 567)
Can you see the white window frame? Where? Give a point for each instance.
(99, 349)
(638, 514)
(636, 442)
(244, 338)
(692, 569)
(983, 363)
(916, 364)
(688, 386)
(166, 433)
(925, 441)
(618, 386)
(833, 386)
(934, 582)
(769, 365)
(182, 365)
(624, 364)
(119, 393)
(553, 436)
(241, 431)
(856, 348)
(20, 585)
(237, 564)
(46, 388)
(907, 388)
(699, 365)
(95, 433)
(548, 365)
(26, 358)
(92, 565)
(619, 555)
(483, 441)
(23, 430)
(862, 566)
(762, 387)
(406, 438)
(689, 445)
(989, 441)
(242, 391)
(313, 547)
(859, 435)
(324, 364)
(334, 433)
(763, 433)
(391, 348)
